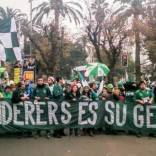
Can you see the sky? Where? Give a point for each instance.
(24, 6)
(21, 4)
(17, 4)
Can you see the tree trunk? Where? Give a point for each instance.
(55, 46)
(137, 49)
(57, 17)
(97, 50)
(25, 45)
(111, 75)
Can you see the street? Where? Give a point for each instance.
(102, 145)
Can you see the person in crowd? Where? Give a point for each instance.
(28, 88)
(122, 94)
(94, 95)
(73, 96)
(116, 94)
(17, 64)
(86, 96)
(19, 94)
(110, 88)
(31, 64)
(104, 94)
(130, 89)
(51, 82)
(58, 95)
(41, 92)
(75, 81)
(58, 90)
(25, 65)
(7, 94)
(86, 93)
(13, 87)
(144, 95)
(67, 90)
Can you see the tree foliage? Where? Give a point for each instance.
(108, 35)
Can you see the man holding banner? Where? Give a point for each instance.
(41, 92)
(144, 95)
(19, 94)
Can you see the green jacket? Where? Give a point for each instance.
(144, 95)
(94, 96)
(17, 94)
(42, 92)
(58, 92)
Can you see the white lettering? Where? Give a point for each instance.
(110, 112)
(52, 109)
(138, 119)
(6, 106)
(118, 122)
(92, 107)
(16, 113)
(81, 113)
(149, 115)
(65, 111)
(40, 111)
(29, 110)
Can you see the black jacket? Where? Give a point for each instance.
(17, 94)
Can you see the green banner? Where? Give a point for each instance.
(112, 116)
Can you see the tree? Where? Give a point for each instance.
(108, 35)
(74, 55)
(115, 34)
(55, 9)
(58, 8)
(97, 14)
(150, 39)
(135, 9)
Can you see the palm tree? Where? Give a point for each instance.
(55, 10)
(58, 8)
(135, 10)
(15, 13)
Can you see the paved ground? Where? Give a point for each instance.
(102, 145)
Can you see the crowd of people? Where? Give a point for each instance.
(59, 89)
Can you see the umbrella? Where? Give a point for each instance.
(97, 69)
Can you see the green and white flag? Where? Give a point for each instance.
(9, 44)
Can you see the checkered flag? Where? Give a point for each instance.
(9, 44)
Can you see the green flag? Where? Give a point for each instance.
(9, 44)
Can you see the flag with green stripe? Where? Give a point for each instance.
(9, 45)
